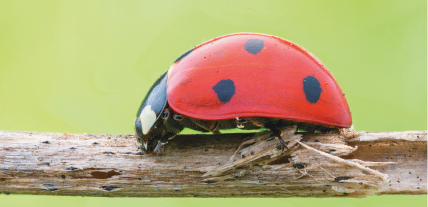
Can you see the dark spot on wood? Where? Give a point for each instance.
(278, 147)
(128, 153)
(260, 181)
(139, 178)
(338, 179)
(46, 142)
(361, 183)
(2, 179)
(73, 148)
(72, 168)
(109, 153)
(109, 188)
(104, 175)
(95, 143)
(299, 165)
(140, 153)
(63, 176)
(317, 140)
(49, 187)
(185, 167)
(345, 193)
(330, 150)
(235, 175)
(44, 164)
(272, 137)
(282, 160)
(209, 181)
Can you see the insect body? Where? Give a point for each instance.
(242, 80)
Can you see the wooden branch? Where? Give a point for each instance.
(226, 165)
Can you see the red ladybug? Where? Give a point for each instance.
(246, 81)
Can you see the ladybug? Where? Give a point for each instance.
(246, 81)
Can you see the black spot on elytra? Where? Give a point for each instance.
(254, 46)
(184, 55)
(225, 89)
(312, 89)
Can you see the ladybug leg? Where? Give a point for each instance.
(209, 126)
(214, 127)
(143, 148)
(163, 141)
(277, 134)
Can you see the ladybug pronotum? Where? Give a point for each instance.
(246, 81)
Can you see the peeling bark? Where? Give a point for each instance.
(352, 164)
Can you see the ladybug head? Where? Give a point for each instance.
(152, 129)
(146, 130)
(154, 121)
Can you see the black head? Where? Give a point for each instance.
(155, 121)
(147, 122)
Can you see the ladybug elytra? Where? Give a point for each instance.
(246, 81)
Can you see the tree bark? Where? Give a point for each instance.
(352, 164)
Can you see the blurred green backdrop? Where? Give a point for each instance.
(84, 66)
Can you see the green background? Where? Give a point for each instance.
(84, 67)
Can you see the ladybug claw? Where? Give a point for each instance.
(159, 146)
(277, 134)
(283, 144)
(143, 150)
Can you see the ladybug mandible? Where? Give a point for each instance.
(246, 81)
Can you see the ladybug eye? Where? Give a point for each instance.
(178, 117)
(241, 121)
(165, 114)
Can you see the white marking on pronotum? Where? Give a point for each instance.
(147, 118)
